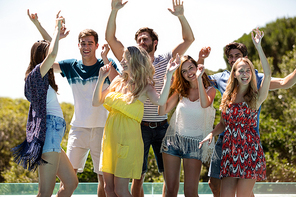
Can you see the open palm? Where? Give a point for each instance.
(173, 65)
(200, 70)
(117, 4)
(258, 37)
(178, 8)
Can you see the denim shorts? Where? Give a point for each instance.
(153, 137)
(175, 151)
(55, 130)
(214, 170)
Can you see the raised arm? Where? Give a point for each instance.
(283, 83)
(43, 32)
(99, 95)
(63, 33)
(169, 105)
(115, 45)
(113, 72)
(160, 99)
(263, 90)
(206, 98)
(187, 34)
(53, 48)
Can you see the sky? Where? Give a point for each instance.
(215, 23)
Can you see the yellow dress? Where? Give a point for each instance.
(122, 145)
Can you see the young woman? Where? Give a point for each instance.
(46, 125)
(122, 148)
(243, 160)
(191, 121)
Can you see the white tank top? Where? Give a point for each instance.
(52, 104)
(190, 124)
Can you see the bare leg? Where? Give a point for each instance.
(228, 186)
(67, 176)
(192, 169)
(47, 174)
(101, 191)
(121, 187)
(245, 187)
(172, 165)
(137, 187)
(109, 184)
(215, 185)
(164, 186)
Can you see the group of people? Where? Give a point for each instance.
(119, 115)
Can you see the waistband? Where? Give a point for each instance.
(154, 125)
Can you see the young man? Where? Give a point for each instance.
(233, 51)
(88, 122)
(153, 126)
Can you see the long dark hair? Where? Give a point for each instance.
(38, 54)
(180, 85)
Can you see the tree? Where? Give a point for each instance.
(278, 127)
(13, 117)
(280, 37)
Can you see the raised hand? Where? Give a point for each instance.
(178, 8)
(63, 33)
(258, 37)
(60, 21)
(200, 70)
(208, 138)
(173, 65)
(33, 17)
(117, 4)
(104, 53)
(105, 71)
(204, 52)
(105, 50)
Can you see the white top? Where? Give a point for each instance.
(82, 80)
(86, 115)
(190, 124)
(52, 104)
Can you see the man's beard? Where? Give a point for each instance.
(149, 48)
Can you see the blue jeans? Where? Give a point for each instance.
(153, 136)
(214, 170)
(55, 130)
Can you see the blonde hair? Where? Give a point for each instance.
(140, 75)
(232, 87)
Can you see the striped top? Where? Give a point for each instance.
(160, 64)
